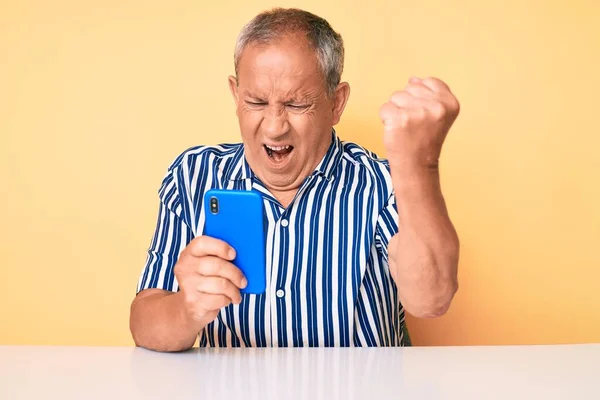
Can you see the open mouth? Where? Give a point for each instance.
(278, 153)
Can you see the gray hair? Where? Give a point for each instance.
(271, 26)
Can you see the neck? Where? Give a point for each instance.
(284, 197)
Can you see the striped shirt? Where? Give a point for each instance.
(328, 279)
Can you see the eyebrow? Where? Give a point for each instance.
(253, 95)
(297, 100)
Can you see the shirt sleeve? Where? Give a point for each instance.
(387, 227)
(171, 236)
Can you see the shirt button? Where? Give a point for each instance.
(280, 293)
(284, 222)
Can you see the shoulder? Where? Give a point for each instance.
(198, 166)
(205, 157)
(376, 167)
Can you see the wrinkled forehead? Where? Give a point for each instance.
(283, 68)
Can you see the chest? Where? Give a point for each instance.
(318, 253)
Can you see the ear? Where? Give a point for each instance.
(233, 87)
(340, 98)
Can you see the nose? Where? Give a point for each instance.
(275, 122)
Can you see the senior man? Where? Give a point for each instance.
(353, 240)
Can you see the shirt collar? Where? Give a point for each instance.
(240, 169)
(332, 158)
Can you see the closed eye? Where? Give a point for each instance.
(256, 103)
(297, 106)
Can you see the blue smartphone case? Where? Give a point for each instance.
(239, 221)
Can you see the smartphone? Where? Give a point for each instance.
(237, 217)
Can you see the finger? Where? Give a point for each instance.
(404, 99)
(212, 302)
(217, 267)
(387, 111)
(220, 285)
(436, 85)
(209, 246)
(393, 116)
(420, 91)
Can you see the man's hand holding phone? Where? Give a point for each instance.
(208, 279)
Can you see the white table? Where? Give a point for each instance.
(526, 372)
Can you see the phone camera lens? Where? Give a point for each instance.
(214, 205)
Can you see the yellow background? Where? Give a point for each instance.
(97, 98)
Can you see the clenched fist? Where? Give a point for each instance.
(416, 121)
(208, 279)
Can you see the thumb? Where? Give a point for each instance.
(393, 117)
(389, 115)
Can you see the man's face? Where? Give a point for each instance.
(284, 112)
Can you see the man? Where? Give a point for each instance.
(352, 241)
